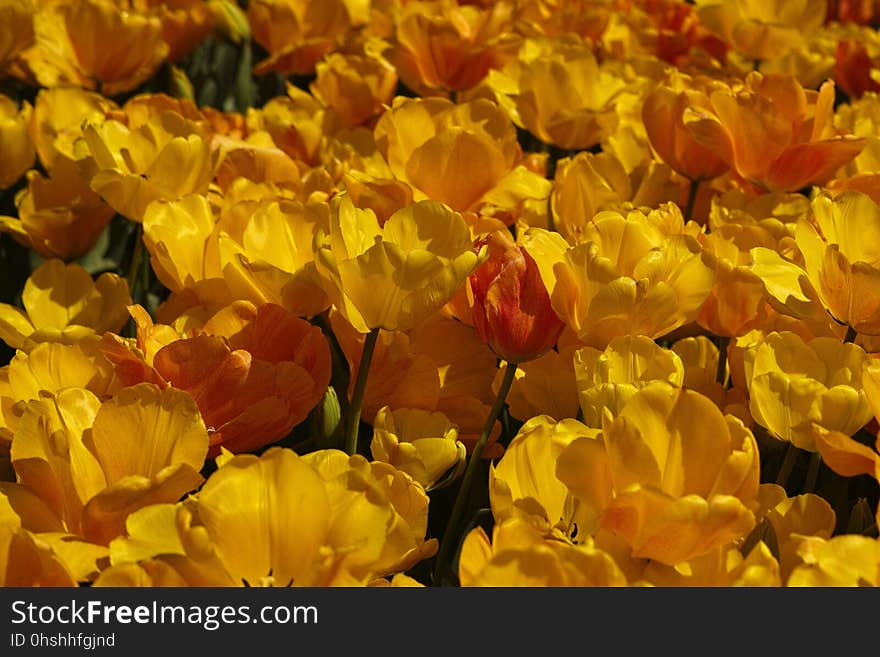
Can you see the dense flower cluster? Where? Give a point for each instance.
(429, 292)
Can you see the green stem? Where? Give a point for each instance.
(721, 369)
(357, 395)
(851, 335)
(812, 472)
(791, 455)
(691, 200)
(442, 565)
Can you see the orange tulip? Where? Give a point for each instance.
(254, 373)
(512, 311)
(773, 133)
(663, 114)
(296, 33)
(443, 47)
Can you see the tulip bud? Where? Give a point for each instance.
(512, 311)
(326, 425)
(231, 21)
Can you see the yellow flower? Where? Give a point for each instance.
(165, 158)
(762, 30)
(523, 483)
(721, 567)
(93, 44)
(520, 555)
(58, 119)
(95, 463)
(26, 559)
(684, 475)
(297, 33)
(355, 86)
(633, 275)
(786, 522)
(607, 379)
(63, 303)
(52, 366)
(59, 216)
(270, 258)
(182, 239)
(15, 144)
(543, 386)
(559, 92)
(841, 249)
(17, 18)
(583, 186)
(464, 155)
(848, 560)
(793, 383)
(395, 276)
(422, 444)
(344, 522)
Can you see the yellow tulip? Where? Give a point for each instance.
(95, 463)
(62, 303)
(848, 560)
(699, 356)
(395, 276)
(684, 475)
(355, 86)
(607, 379)
(464, 155)
(793, 383)
(789, 521)
(422, 444)
(559, 92)
(762, 30)
(183, 244)
(93, 44)
(15, 144)
(583, 186)
(523, 483)
(520, 555)
(632, 275)
(58, 119)
(52, 366)
(298, 124)
(272, 259)
(17, 17)
(166, 158)
(59, 216)
(26, 560)
(841, 249)
(543, 386)
(340, 525)
(720, 567)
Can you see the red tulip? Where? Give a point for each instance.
(512, 311)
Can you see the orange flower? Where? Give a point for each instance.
(355, 86)
(512, 311)
(663, 114)
(442, 46)
(773, 133)
(296, 33)
(254, 373)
